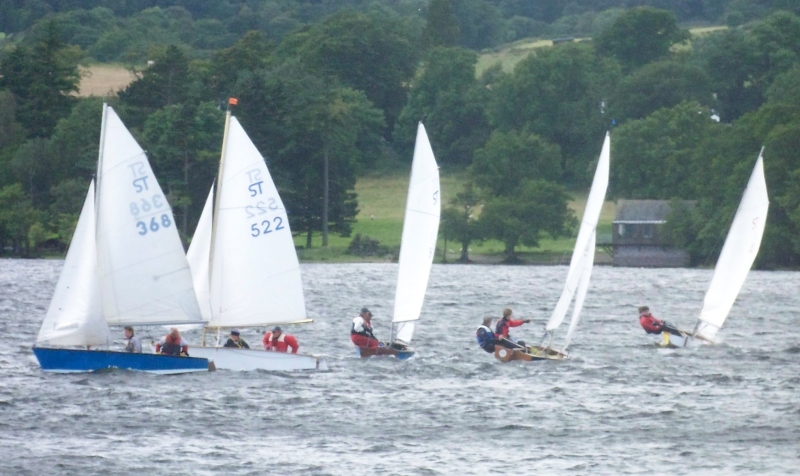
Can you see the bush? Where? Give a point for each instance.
(366, 246)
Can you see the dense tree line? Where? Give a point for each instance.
(688, 119)
(128, 30)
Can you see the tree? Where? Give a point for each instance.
(250, 53)
(164, 83)
(459, 222)
(294, 118)
(480, 24)
(557, 93)
(441, 25)
(639, 36)
(369, 53)
(184, 142)
(538, 209)
(452, 101)
(510, 159)
(662, 84)
(42, 78)
(659, 157)
(729, 60)
(17, 215)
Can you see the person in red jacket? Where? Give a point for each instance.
(361, 330)
(501, 330)
(651, 325)
(172, 344)
(277, 341)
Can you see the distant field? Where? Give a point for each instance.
(103, 79)
(509, 55)
(382, 203)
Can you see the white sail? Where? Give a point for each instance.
(591, 215)
(144, 276)
(75, 316)
(255, 274)
(738, 253)
(198, 256)
(420, 231)
(587, 263)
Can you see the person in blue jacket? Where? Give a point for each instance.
(485, 336)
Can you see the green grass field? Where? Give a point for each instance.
(382, 203)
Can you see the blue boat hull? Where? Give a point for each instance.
(79, 360)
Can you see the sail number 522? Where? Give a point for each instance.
(265, 227)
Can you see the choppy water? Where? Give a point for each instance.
(619, 406)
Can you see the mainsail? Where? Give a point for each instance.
(580, 266)
(420, 231)
(75, 317)
(144, 275)
(255, 274)
(738, 253)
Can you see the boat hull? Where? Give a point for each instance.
(229, 358)
(80, 360)
(531, 353)
(672, 341)
(365, 352)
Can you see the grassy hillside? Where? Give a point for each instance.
(382, 207)
(507, 56)
(103, 79)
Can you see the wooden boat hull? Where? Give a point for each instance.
(385, 351)
(80, 360)
(531, 353)
(229, 358)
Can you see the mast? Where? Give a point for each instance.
(218, 188)
(99, 172)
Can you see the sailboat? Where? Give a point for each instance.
(734, 263)
(243, 259)
(125, 266)
(417, 247)
(580, 271)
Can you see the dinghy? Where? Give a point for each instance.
(243, 260)
(734, 263)
(580, 271)
(125, 266)
(417, 247)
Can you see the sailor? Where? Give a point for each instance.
(173, 344)
(501, 330)
(361, 330)
(651, 325)
(235, 341)
(277, 341)
(485, 336)
(133, 343)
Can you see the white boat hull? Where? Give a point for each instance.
(227, 358)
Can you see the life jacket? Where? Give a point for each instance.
(504, 324)
(650, 324)
(366, 328)
(485, 338)
(170, 347)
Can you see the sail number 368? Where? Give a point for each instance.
(154, 225)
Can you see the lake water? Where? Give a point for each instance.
(619, 406)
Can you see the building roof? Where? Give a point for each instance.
(644, 211)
